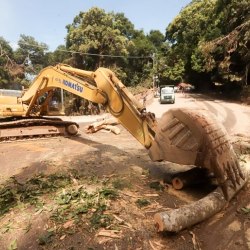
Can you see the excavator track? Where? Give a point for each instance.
(13, 129)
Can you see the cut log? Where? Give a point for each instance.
(191, 177)
(175, 220)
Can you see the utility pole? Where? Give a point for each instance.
(155, 77)
(153, 58)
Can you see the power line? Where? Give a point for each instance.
(91, 54)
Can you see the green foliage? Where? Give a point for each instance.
(211, 40)
(13, 245)
(29, 58)
(156, 38)
(156, 185)
(245, 210)
(6, 53)
(5, 49)
(100, 39)
(31, 53)
(7, 199)
(185, 33)
(75, 202)
(175, 71)
(111, 35)
(208, 41)
(88, 199)
(198, 60)
(29, 192)
(46, 238)
(142, 202)
(60, 55)
(120, 184)
(228, 54)
(97, 32)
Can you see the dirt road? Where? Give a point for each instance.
(44, 182)
(234, 116)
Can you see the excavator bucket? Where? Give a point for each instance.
(194, 137)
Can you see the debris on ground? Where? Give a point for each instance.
(102, 197)
(186, 216)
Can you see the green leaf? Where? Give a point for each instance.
(142, 202)
(46, 238)
(13, 245)
(245, 210)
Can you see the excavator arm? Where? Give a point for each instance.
(120, 103)
(54, 77)
(182, 136)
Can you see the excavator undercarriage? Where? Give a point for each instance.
(12, 129)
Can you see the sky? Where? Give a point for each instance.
(45, 20)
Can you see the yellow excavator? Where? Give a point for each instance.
(183, 136)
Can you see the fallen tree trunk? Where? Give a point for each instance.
(107, 124)
(175, 220)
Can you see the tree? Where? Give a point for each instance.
(228, 53)
(31, 53)
(124, 25)
(156, 38)
(140, 63)
(98, 33)
(184, 33)
(103, 39)
(60, 55)
(5, 57)
(10, 71)
(212, 39)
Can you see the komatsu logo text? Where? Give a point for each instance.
(71, 85)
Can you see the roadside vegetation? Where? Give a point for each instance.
(68, 198)
(69, 203)
(207, 45)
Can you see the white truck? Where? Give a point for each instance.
(167, 94)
